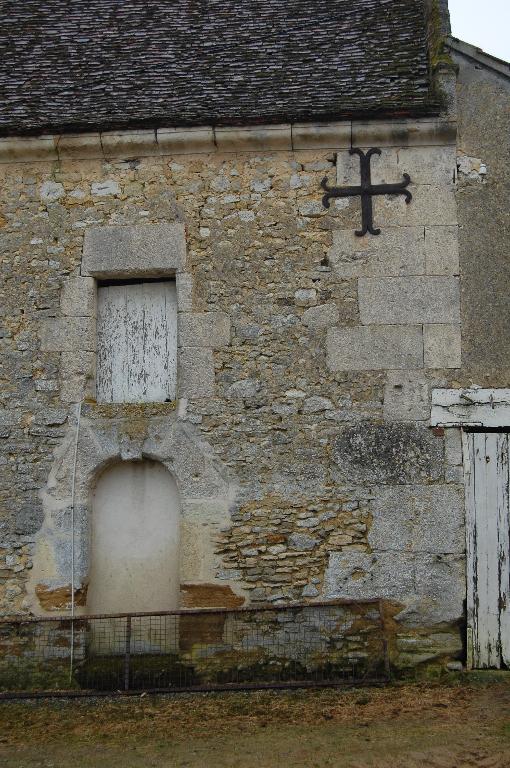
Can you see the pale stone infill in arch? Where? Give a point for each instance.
(109, 434)
(134, 540)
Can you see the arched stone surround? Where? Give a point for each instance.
(109, 434)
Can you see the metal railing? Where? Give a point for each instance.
(296, 645)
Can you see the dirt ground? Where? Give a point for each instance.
(458, 724)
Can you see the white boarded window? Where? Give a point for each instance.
(137, 342)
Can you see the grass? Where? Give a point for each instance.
(460, 723)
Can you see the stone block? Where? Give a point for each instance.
(428, 165)
(363, 576)
(77, 362)
(50, 191)
(196, 372)
(442, 250)
(200, 524)
(78, 297)
(374, 348)
(425, 165)
(74, 389)
(68, 334)
(442, 346)
(391, 454)
(323, 316)
(127, 144)
(425, 519)
(403, 133)
(453, 447)
(78, 372)
(134, 251)
(417, 581)
(244, 388)
(383, 168)
(305, 297)
(440, 582)
(454, 475)
(321, 135)
(254, 139)
(184, 287)
(79, 146)
(406, 396)
(29, 518)
(431, 204)
(207, 329)
(409, 300)
(317, 404)
(302, 542)
(175, 141)
(28, 148)
(396, 251)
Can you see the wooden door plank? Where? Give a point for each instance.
(156, 341)
(487, 575)
(471, 560)
(135, 323)
(503, 554)
(111, 340)
(493, 482)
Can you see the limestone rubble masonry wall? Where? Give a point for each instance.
(319, 405)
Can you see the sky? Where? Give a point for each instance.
(484, 23)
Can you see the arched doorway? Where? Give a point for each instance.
(134, 558)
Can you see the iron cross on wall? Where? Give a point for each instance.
(366, 191)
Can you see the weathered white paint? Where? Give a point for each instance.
(470, 407)
(135, 540)
(137, 343)
(486, 462)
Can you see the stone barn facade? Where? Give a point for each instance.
(224, 379)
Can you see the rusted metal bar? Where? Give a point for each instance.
(224, 687)
(189, 611)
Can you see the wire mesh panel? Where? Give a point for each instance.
(267, 646)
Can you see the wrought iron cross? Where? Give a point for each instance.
(367, 190)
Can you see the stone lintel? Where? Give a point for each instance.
(134, 251)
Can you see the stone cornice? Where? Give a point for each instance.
(118, 145)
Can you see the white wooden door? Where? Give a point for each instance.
(488, 547)
(137, 343)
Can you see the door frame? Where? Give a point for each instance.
(471, 409)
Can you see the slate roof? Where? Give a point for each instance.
(77, 65)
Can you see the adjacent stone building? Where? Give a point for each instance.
(214, 392)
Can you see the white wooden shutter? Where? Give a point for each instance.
(137, 343)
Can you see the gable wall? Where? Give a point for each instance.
(483, 98)
(304, 391)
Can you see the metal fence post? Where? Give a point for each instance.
(127, 654)
(386, 650)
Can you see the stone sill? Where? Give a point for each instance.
(131, 411)
(209, 140)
